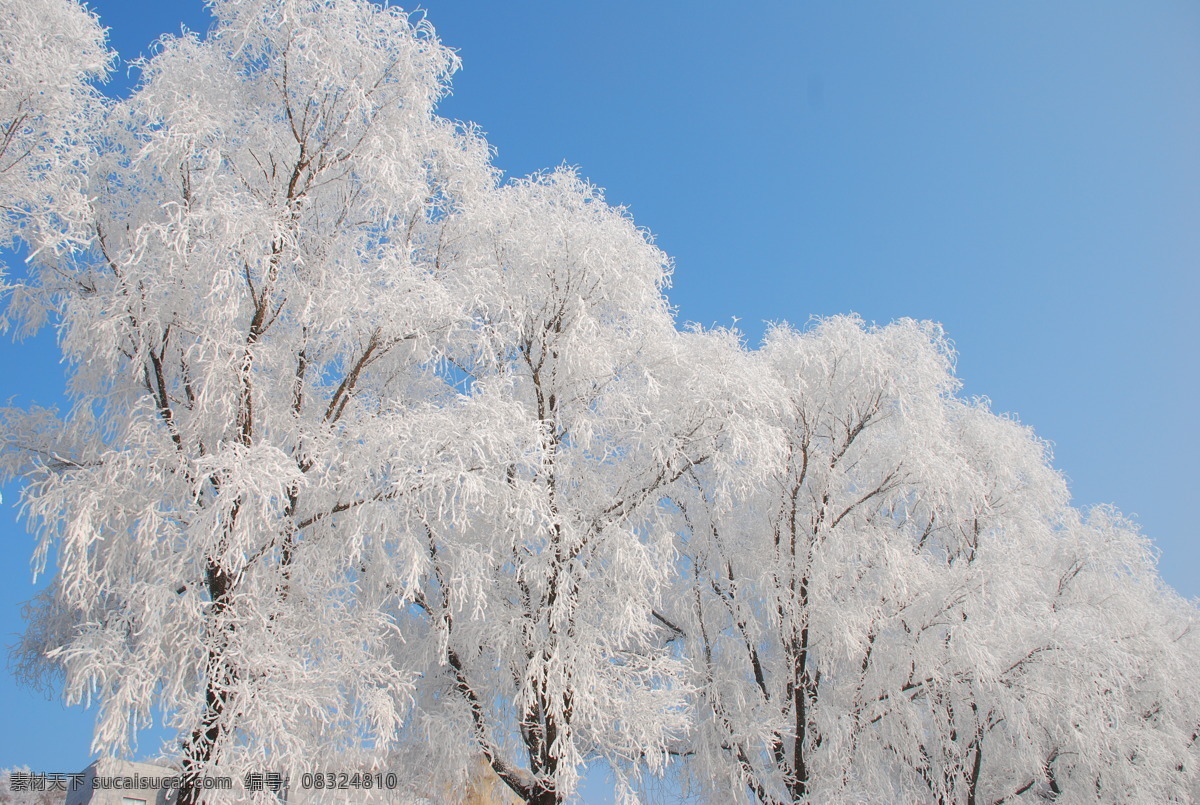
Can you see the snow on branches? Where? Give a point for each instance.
(374, 455)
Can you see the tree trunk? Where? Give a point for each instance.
(201, 749)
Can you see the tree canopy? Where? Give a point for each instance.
(372, 454)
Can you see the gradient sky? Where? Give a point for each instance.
(1025, 173)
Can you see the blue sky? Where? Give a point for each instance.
(1025, 173)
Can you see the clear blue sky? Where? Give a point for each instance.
(1026, 173)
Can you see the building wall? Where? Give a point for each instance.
(114, 782)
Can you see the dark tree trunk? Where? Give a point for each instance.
(201, 749)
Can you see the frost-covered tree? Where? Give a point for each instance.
(53, 50)
(906, 608)
(543, 597)
(251, 335)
